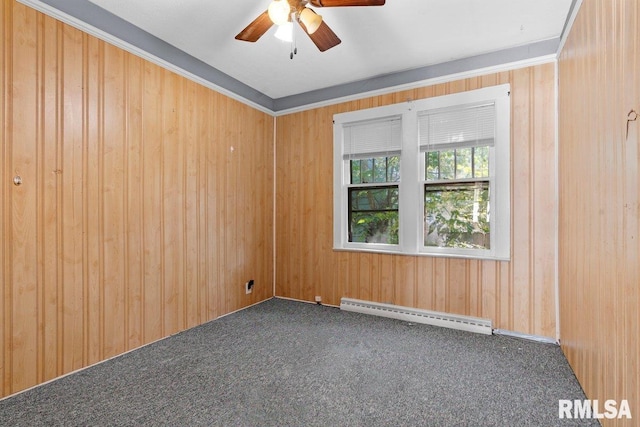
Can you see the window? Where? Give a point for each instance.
(425, 177)
(373, 200)
(371, 155)
(456, 143)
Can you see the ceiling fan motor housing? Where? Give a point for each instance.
(280, 12)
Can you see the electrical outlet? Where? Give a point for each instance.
(248, 287)
(318, 299)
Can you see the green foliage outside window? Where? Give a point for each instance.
(457, 216)
(373, 210)
(456, 198)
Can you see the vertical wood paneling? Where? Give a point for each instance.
(134, 188)
(228, 188)
(152, 209)
(521, 182)
(93, 267)
(172, 196)
(70, 171)
(191, 181)
(209, 253)
(599, 248)
(218, 158)
(47, 203)
(111, 176)
(134, 218)
(543, 209)
(439, 272)
(517, 295)
(23, 279)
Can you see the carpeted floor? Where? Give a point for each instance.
(286, 363)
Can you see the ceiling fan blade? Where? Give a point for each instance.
(256, 29)
(338, 3)
(324, 37)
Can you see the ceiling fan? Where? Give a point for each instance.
(281, 12)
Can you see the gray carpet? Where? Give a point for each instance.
(285, 363)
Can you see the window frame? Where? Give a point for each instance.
(413, 179)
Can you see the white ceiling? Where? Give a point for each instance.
(401, 35)
(401, 42)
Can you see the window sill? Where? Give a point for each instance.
(386, 251)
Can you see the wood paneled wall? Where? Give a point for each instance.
(599, 245)
(146, 201)
(518, 295)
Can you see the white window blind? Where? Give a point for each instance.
(373, 138)
(461, 127)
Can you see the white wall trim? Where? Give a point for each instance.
(529, 337)
(556, 214)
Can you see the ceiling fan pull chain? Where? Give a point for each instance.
(294, 46)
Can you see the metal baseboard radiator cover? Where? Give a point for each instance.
(435, 318)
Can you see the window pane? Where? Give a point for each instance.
(373, 215)
(374, 198)
(481, 162)
(366, 170)
(433, 165)
(463, 163)
(447, 164)
(393, 169)
(460, 163)
(378, 169)
(457, 215)
(356, 176)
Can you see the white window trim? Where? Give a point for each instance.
(411, 184)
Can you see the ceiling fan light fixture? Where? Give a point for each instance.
(279, 11)
(285, 32)
(310, 19)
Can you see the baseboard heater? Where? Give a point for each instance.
(435, 318)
